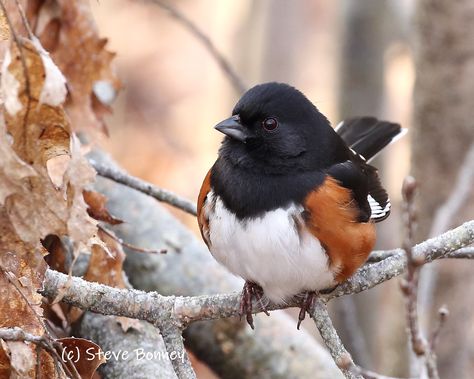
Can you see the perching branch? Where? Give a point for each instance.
(142, 186)
(184, 310)
(158, 309)
(223, 63)
(180, 311)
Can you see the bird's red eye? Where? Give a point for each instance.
(270, 124)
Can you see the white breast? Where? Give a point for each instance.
(268, 250)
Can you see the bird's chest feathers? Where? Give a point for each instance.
(273, 249)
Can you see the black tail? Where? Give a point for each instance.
(367, 135)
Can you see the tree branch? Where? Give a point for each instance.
(341, 356)
(158, 309)
(164, 311)
(172, 335)
(149, 189)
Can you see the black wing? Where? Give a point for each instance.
(372, 199)
(367, 136)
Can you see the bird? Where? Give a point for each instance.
(290, 203)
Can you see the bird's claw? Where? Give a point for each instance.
(305, 307)
(250, 291)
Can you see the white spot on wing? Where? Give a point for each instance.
(357, 154)
(376, 208)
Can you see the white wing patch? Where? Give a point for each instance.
(376, 208)
(357, 154)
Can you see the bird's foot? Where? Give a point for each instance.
(249, 292)
(306, 306)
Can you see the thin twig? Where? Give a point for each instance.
(24, 20)
(341, 356)
(380, 255)
(142, 186)
(128, 245)
(410, 285)
(223, 63)
(44, 342)
(18, 334)
(336, 348)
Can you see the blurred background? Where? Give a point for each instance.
(349, 57)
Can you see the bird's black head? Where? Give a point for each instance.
(275, 127)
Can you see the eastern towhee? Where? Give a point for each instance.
(290, 203)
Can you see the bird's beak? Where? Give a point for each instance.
(233, 128)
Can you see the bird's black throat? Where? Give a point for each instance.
(248, 190)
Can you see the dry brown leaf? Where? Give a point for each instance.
(86, 355)
(96, 207)
(43, 172)
(20, 359)
(106, 267)
(106, 263)
(56, 168)
(129, 323)
(67, 29)
(41, 137)
(34, 117)
(43, 175)
(5, 367)
(19, 260)
(4, 29)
